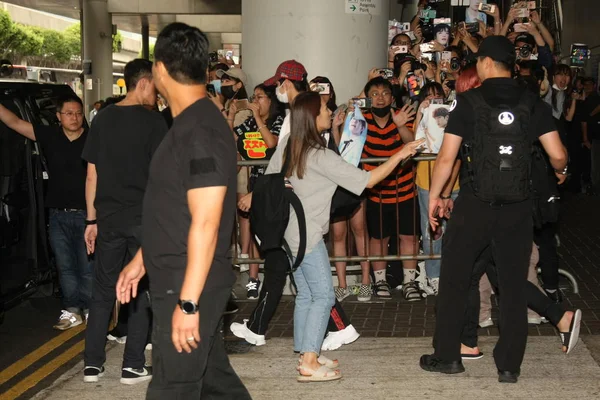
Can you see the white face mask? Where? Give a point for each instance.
(282, 97)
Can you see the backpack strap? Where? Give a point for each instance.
(297, 205)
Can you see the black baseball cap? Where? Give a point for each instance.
(498, 48)
(525, 38)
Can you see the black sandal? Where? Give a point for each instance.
(570, 339)
(472, 356)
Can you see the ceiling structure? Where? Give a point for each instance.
(131, 22)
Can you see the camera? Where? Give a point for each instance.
(483, 7)
(400, 49)
(210, 88)
(472, 27)
(213, 58)
(451, 84)
(524, 51)
(321, 88)
(362, 102)
(386, 73)
(454, 64)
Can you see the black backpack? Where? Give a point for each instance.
(270, 213)
(498, 157)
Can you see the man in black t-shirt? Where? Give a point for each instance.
(188, 218)
(123, 139)
(476, 225)
(62, 146)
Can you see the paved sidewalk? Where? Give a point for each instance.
(377, 368)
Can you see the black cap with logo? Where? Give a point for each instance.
(498, 48)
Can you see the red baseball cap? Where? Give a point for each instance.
(291, 70)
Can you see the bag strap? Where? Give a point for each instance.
(297, 204)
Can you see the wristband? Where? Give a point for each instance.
(90, 222)
(262, 126)
(445, 197)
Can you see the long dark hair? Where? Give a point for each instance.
(277, 108)
(304, 134)
(331, 104)
(562, 69)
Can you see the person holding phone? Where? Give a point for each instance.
(233, 89)
(472, 13)
(257, 139)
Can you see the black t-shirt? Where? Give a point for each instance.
(121, 144)
(198, 152)
(496, 92)
(66, 169)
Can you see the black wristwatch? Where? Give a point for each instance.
(90, 222)
(188, 306)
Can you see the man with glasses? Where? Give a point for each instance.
(123, 139)
(62, 146)
(391, 207)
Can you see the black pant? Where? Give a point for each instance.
(474, 226)
(536, 300)
(545, 238)
(277, 267)
(113, 250)
(205, 373)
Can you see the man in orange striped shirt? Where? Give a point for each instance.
(391, 205)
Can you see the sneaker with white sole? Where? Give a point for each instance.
(432, 287)
(252, 289)
(486, 323)
(131, 376)
(341, 293)
(68, 320)
(335, 340)
(118, 339)
(92, 374)
(364, 293)
(243, 332)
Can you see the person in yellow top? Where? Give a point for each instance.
(432, 241)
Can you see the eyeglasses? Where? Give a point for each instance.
(382, 94)
(72, 114)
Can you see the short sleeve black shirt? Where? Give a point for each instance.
(66, 169)
(496, 92)
(121, 144)
(198, 152)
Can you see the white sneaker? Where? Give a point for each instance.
(68, 320)
(535, 319)
(432, 287)
(243, 332)
(486, 323)
(335, 340)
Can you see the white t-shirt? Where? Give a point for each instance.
(286, 126)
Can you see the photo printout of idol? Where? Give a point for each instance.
(432, 127)
(353, 137)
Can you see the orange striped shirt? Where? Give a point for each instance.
(399, 186)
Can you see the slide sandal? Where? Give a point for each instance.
(323, 374)
(570, 339)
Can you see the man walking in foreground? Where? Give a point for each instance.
(188, 217)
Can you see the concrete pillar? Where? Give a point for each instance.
(97, 50)
(320, 35)
(145, 38)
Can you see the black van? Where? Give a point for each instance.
(25, 256)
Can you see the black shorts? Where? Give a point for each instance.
(384, 222)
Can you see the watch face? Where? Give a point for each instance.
(188, 307)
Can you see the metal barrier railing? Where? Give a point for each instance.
(376, 257)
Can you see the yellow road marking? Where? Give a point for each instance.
(36, 355)
(33, 379)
